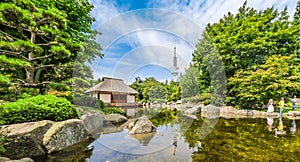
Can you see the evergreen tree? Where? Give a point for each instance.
(45, 38)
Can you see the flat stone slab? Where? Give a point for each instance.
(114, 119)
(23, 128)
(293, 113)
(193, 110)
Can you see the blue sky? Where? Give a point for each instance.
(138, 36)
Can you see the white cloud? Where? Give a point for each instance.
(149, 34)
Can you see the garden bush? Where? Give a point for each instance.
(89, 102)
(41, 107)
(195, 99)
(81, 110)
(204, 98)
(253, 87)
(113, 110)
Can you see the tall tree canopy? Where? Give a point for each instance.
(246, 39)
(189, 83)
(278, 77)
(250, 36)
(42, 40)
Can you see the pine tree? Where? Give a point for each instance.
(44, 39)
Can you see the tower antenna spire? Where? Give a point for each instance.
(175, 67)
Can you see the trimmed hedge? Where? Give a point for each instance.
(205, 99)
(107, 110)
(89, 102)
(41, 107)
(113, 110)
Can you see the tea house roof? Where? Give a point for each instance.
(112, 85)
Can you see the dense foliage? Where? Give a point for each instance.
(278, 77)
(151, 90)
(2, 137)
(106, 110)
(41, 107)
(89, 102)
(189, 83)
(242, 43)
(41, 42)
(113, 110)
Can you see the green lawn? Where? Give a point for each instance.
(287, 109)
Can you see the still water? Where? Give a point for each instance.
(250, 139)
(180, 138)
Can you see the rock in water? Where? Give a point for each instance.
(64, 134)
(194, 110)
(142, 125)
(93, 123)
(112, 119)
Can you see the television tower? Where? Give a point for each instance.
(175, 67)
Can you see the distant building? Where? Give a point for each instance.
(114, 92)
(175, 67)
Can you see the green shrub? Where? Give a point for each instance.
(2, 138)
(113, 110)
(205, 98)
(194, 99)
(107, 110)
(81, 110)
(41, 107)
(278, 77)
(89, 102)
(158, 100)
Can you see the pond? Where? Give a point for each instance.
(179, 139)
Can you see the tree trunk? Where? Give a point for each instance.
(31, 69)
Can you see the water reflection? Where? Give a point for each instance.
(180, 139)
(144, 139)
(231, 139)
(293, 128)
(280, 127)
(270, 124)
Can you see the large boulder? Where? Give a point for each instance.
(194, 110)
(3, 159)
(21, 160)
(93, 123)
(78, 152)
(25, 139)
(112, 119)
(64, 134)
(293, 113)
(142, 125)
(210, 111)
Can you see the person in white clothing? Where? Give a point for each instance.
(270, 106)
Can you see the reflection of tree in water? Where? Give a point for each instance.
(293, 128)
(280, 130)
(241, 140)
(77, 152)
(162, 116)
(175, 138)
(270, 122)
